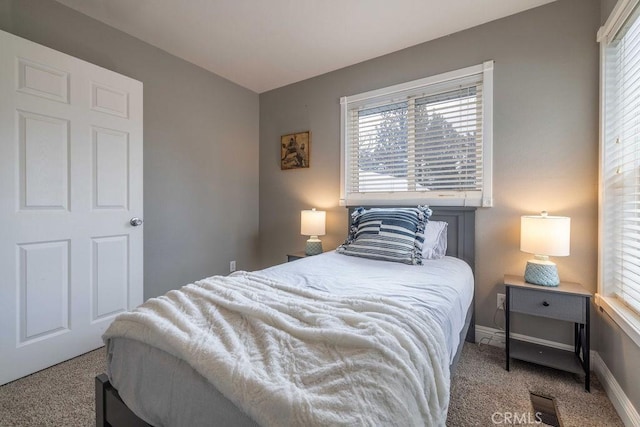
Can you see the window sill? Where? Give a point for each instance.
(622, 315)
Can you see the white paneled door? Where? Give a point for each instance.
(70, 184)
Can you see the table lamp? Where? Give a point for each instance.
(312, 224)
(544, 236)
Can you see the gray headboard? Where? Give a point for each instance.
(461, 232)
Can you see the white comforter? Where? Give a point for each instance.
(293, 356)
(441, 289)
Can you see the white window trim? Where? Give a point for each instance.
(623, 316)
(444, 199)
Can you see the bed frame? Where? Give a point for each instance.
(111, 411)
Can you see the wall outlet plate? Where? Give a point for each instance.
(232, 266)
(501, 298)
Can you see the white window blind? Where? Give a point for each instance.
(427, 141)
(620, 163)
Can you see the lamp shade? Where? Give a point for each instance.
(545, 235)
(312, 222)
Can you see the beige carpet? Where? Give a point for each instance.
(63, 395)
(481, 387)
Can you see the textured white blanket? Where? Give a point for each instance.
(289, 356)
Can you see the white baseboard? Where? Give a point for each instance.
(490, 337)
(619, 399)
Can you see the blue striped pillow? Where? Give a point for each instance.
(389, 234)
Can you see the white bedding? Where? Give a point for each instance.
(440, 290)
(291, 356)
(443, 288)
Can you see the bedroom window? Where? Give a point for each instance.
(619, 259)
(427, 141)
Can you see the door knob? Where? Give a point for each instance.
(135, 221)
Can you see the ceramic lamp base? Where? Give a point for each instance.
(544, 274)
(313, 247)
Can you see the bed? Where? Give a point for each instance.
(162, 389)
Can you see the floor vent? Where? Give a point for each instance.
(545, 409)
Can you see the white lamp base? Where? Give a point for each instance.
(541, 271)
(314, 246)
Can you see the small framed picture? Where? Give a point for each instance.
(295, 150)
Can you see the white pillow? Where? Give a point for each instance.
(435, 240)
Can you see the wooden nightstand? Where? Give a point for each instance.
(570, 302)
(296, 255)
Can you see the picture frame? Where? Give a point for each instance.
(295, 150)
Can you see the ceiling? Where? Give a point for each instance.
(266, 44)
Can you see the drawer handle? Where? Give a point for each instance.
(546, 304)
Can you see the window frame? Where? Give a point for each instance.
(437, 198)
(626, 318)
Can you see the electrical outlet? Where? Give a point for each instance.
(232, 266)
(501, 298)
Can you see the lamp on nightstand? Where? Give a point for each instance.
(544, 236)
(312, 224)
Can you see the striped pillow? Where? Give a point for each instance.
(389, 234)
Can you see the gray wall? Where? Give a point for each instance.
(200, 145)
(620, 354)
(606, 7)
(545, 153)
(545, 143)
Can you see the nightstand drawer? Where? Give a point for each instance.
(548, 304)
